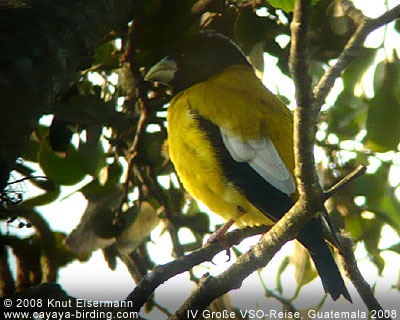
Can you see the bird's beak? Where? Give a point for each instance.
(163, 71)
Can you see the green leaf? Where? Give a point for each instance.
(357, 68)
(42, 199)
(282, 267)
(91, 153)
(92, 157)
(107, 56)
(176, 197)
(61, 169)
(397, 26)
(198, 222)
(395, 248)
(354, 226)
(62, 254)
(151, 150)
(33, 145)
(160, 25)
(347, 116)
(303, 269)
(373, 196)
(44, 184)
(107, 183)
(329, 31)
(379, 75)
(384, 108)
(249, 29)
(103, 223)
(383, 116)
(286, 5)
(369, 231)
(397, 285)
(388, 210)
(86, 110)
(379, 262)
(113, 174)
(372, 235)
(31, 149)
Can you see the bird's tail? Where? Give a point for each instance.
(311, 236)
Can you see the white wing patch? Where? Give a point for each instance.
(263, 157)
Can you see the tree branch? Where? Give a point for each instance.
(164, 272)
(139, 95)
(366, 26)
(352, 271)
(257, 257)
(305, 118)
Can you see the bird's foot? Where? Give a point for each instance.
(219, 235)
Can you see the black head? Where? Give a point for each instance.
(203, 56)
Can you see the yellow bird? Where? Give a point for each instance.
(231, 142)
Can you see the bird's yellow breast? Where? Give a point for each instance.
(226, 101)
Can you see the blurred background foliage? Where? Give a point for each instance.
(110, 133)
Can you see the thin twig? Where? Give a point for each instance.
(27, 178)
(362, 286)
(357, 172)
(140, 95)
(145, 173)
(163, 309)
(286, 303)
